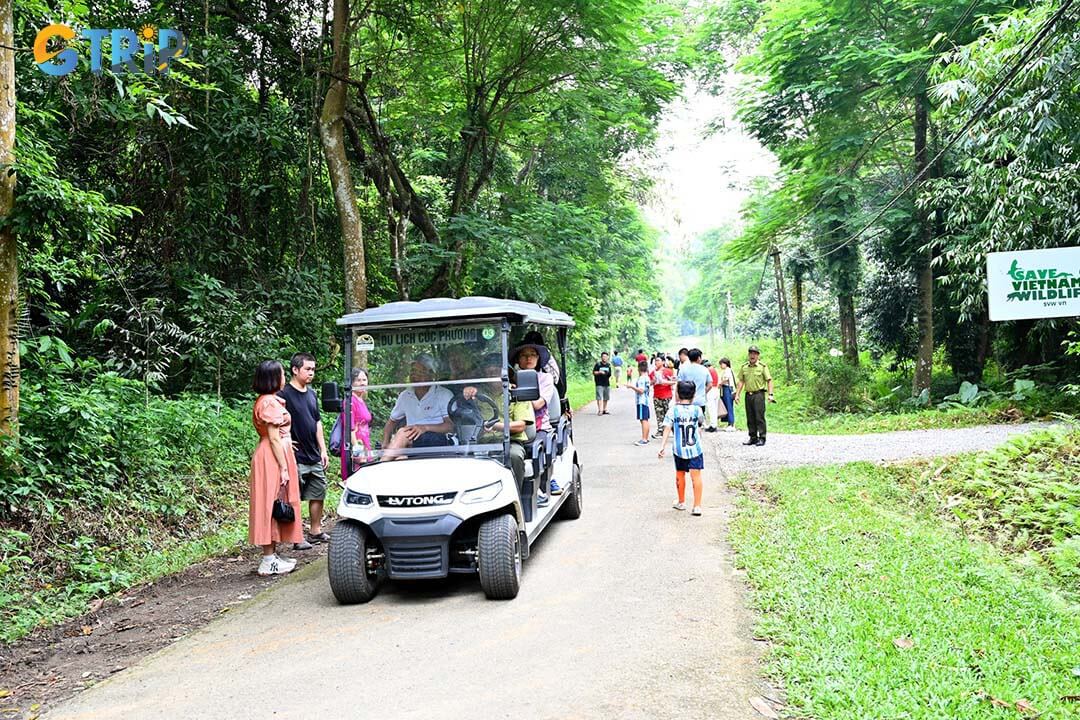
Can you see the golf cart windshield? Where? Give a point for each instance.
(433, 391)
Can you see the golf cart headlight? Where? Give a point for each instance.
(354, 498)
(482, 493)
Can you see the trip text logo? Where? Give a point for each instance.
(156, 49)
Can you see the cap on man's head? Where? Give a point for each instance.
(427, 361)
(754, 349)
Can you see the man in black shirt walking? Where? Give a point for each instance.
(602, 377)
(309, 443)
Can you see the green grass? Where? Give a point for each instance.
(28, 601)
(845, 563)
(1023, 496)
(795, 411)
(580, 390)
(36, 605)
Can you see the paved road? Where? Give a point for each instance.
(632, 611)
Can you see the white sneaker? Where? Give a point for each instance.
(696, 511)
(273, 565)
(291, 562)
(729, 428)
(679, 506)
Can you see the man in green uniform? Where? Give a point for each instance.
(754, 375)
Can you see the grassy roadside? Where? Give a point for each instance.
(51, 603)
(580, 391)
(878, 609)
(796, 412)
(101, 571)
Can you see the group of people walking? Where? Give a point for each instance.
(704, 398)
(718, 388)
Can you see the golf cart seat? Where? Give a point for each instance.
(541, 453)
(562, 434)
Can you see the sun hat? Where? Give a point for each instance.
(545, 355)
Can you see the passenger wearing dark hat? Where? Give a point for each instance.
(533, 337)
(755, 377)
(530, 356)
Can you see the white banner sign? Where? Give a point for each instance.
(1030, 284)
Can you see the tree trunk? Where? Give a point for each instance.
(332, 132)
(785, 314)
(983, 351)
(730, 317)
(849, 341)
(924, 358)
(799, 313)
(9, 268)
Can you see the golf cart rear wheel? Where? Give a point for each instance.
(350, 578)
(499, 557)
(571, 509)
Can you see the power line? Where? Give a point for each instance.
(881, 133)
(990, 99)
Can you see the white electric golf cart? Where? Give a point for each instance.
(446, 500)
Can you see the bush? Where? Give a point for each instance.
(838, 386)
(104, 474)
(1022, 495)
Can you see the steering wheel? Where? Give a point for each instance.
(471, 412)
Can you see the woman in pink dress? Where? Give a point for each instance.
(273, 472)
(360, 419)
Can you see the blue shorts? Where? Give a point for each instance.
(642, 412)
(695, 463)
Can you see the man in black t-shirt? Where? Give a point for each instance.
(309, 443)
(602, 377)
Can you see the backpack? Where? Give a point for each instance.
(337, 436)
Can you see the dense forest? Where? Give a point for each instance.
(937, 133)
(162, 233)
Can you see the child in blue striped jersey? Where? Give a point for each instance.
(642, 387)
(683, 422)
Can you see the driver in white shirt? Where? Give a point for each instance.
(419, 416)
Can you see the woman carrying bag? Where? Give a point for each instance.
(275, 482)
(727, 394)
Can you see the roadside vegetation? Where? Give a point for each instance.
(828, 396)
(905, 156)
(922, 590)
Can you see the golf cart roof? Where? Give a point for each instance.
(451, 309)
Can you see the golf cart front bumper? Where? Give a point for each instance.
(417, 548)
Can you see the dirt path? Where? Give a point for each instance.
(634, 610)
(794, 450)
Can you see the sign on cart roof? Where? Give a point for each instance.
(1028, 284)
(466, 308)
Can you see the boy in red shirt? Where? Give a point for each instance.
(663, 380)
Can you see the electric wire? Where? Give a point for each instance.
(1026, 56)
(881, 133)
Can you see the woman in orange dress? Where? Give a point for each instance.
(273, 472)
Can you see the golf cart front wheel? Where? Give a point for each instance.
(499, 557)
(351, 578)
